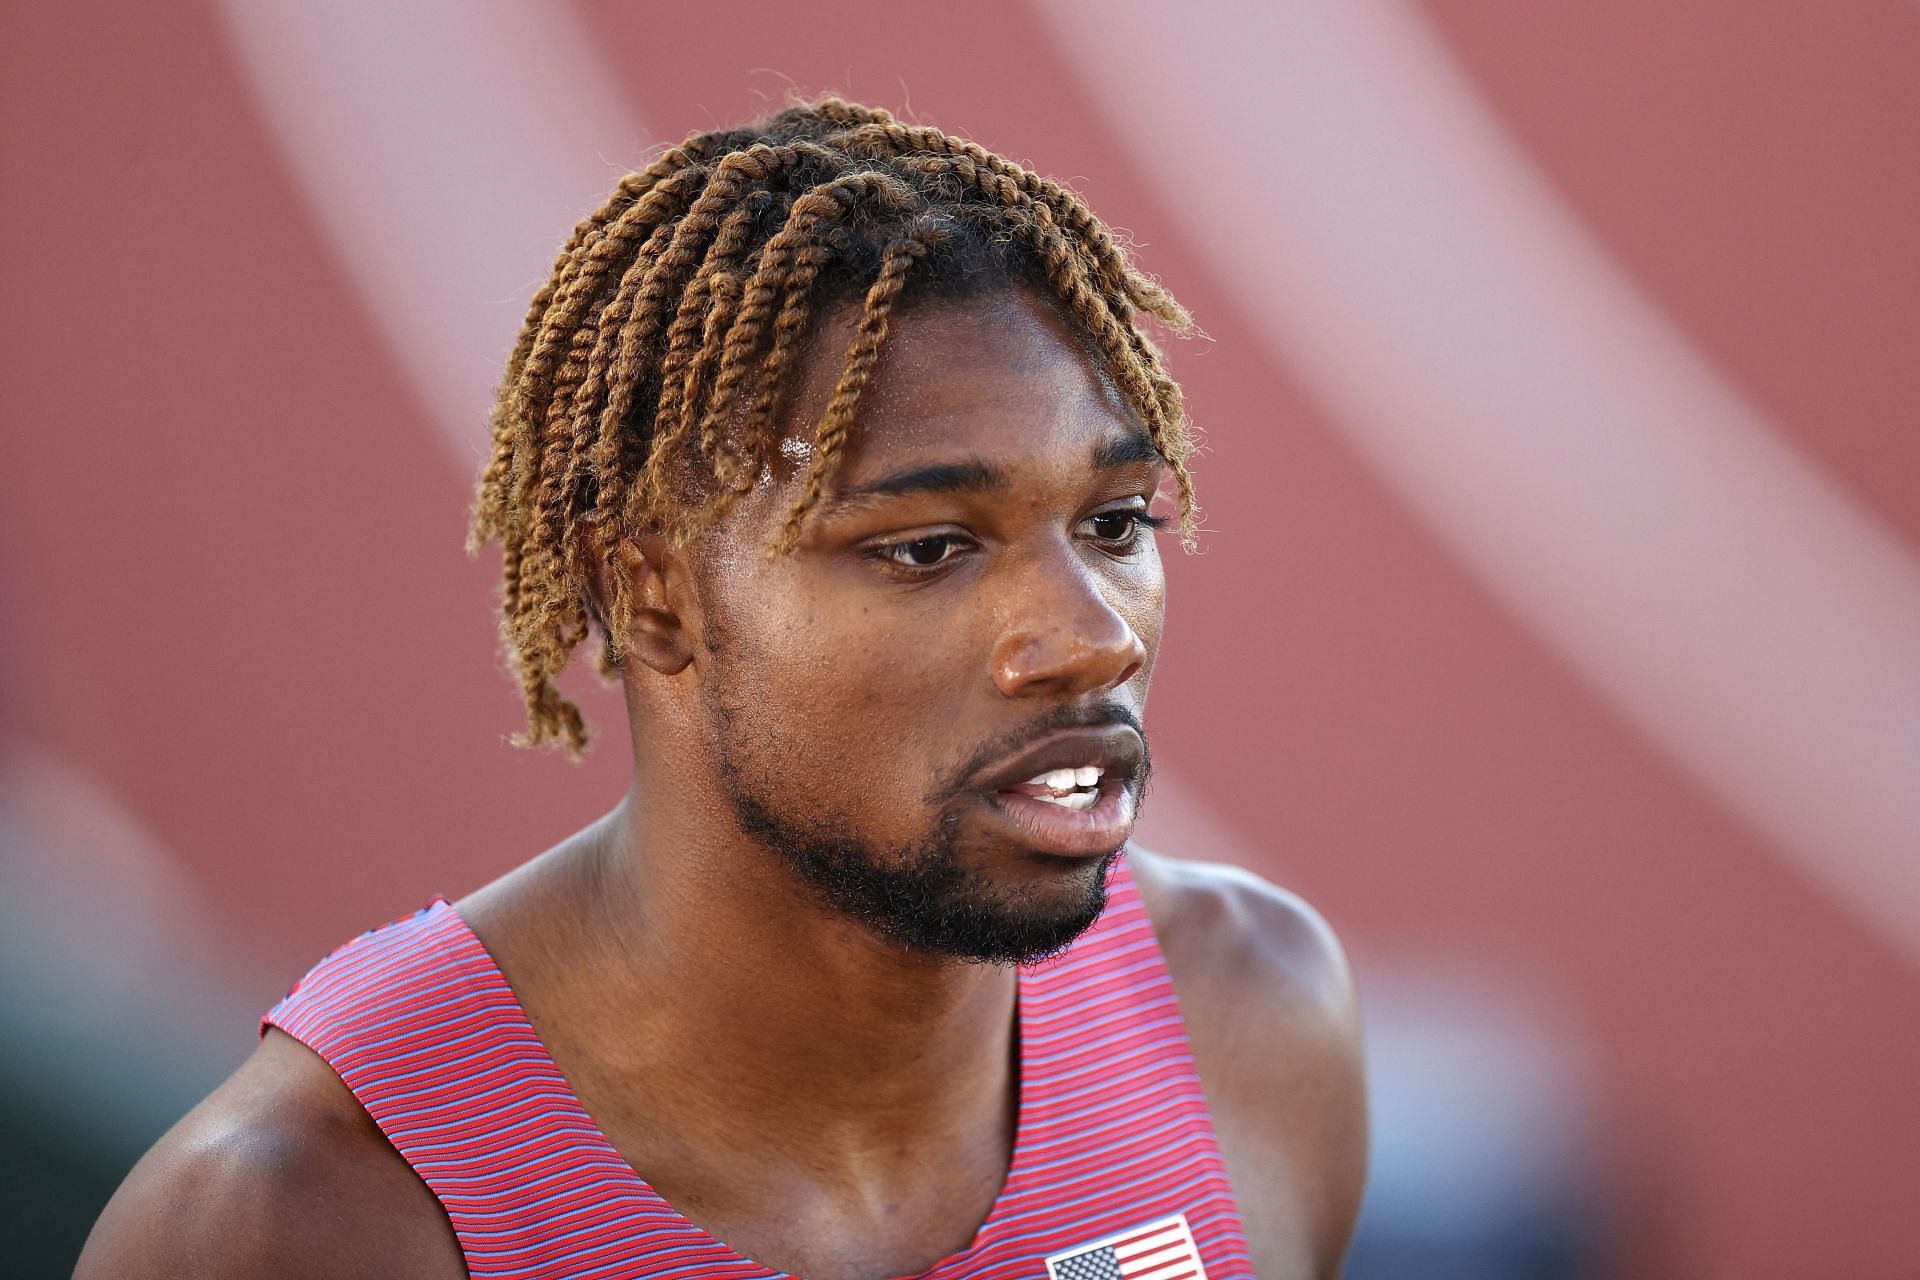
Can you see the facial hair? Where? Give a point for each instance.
(923, 896)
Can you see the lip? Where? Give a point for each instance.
(1116, 748)
(1097, 830)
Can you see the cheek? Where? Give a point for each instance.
(1138, 593)
(1147, 602)
(852, 707)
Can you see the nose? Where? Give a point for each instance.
(1064, 637)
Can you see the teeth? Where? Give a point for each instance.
(1087, 775)
(1077, 800)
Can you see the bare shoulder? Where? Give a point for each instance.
(1233, 935)
(280, 1173)
(1273, 1017)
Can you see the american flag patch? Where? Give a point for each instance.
(1160, 1250)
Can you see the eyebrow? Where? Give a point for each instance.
(970, 476)
(976, 475)
(1133, 447)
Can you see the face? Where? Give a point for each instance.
(932, 709)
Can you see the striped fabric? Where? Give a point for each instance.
(1113, 1131)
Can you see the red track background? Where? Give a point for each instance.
(236, 603)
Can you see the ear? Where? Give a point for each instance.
(658, 634)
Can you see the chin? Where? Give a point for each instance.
(990, 920)
(957, 890)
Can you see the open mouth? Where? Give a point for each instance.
(1077, 789)
(1057, 812)
(1071, 793)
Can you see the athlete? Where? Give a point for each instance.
(841, 436)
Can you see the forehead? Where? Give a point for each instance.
(1001, 375)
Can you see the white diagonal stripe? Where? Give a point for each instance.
(1179, 1266)
(447, 206)
(1552, 427)
(1159, 1240)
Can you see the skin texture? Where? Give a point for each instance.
(824, 1099)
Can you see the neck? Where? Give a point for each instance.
(776, 1014)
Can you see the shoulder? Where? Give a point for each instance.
(279, 1172)
(1233, 938)
(1272, 1014)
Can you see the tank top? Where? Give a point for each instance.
(1116, 1172)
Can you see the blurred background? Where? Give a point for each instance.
(1557, 631)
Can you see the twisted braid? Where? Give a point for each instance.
(629, 189)
(787, 270)
(831, 435)
(889, 137)
(576, 286)
(706, 309)
(646, 386)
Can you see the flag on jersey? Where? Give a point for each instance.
(1160, 1250)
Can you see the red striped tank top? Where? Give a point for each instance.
(1116, 1171)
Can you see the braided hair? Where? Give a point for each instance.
(652, 364)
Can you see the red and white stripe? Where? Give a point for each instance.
(1114, 1130)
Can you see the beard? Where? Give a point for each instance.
(925, 896)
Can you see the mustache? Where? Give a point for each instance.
(1098, 715)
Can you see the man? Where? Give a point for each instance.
(841, 434)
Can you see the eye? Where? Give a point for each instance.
(921, 553)
(1124, 528)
